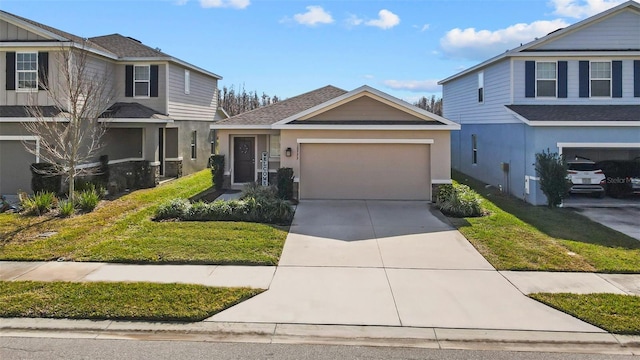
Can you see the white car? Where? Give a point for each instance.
(585, 178)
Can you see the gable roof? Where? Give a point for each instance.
(122, 110)
(270, 114)
(114, 46)
(291, 113)
(633, 5)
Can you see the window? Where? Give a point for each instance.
(141, 80)
(481, 87)
(213, 138)
(601, 79)
(474, 149)
(27, 71)
(546, 77)
(187, 81)
(194, 144)
(274, 145)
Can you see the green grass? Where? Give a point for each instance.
(619, 314)
(117, 301)
(519, 236)
(122, 231)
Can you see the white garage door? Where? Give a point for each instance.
(15, 162)
(365, 171)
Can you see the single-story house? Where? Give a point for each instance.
(361, 144)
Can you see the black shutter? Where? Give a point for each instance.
(636, 78)
(128, 81)
(616, 79)
(530, 79)
(154, 81)
(562, 79)
(43, 70)
(11, 71)
(583, 76)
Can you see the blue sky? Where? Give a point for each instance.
(287, 47)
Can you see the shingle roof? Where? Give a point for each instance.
(273, 113)
(578, 112)
(122, 110)
(18, 111)
(124, 46)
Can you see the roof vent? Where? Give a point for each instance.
(556, 30)
(158, 49)
(136, 40)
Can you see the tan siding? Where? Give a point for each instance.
(363, 109)
(155, 103)
(12, 97)
(11, 32)
(199, 104)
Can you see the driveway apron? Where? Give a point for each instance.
(395, 263)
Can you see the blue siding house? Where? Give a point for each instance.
(575, 91)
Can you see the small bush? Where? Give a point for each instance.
(552, 170)
(45, 177)
(285, 183)
(174, 209)
(458, 200)
(87, 200)
(257, 191)
(217, 170)
(66, 208)
(38, 204)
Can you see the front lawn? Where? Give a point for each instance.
(619, 314)
(122, 231)
(520, 236)
(117, 301)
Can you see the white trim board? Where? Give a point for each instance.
(441, 181)
(365, 141)
(597, 145)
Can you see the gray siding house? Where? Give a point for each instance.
(575, 91)
(160, 112)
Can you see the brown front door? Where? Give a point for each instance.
(244, 160)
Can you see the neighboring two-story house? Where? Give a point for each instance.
(575, 91)
(159, 114)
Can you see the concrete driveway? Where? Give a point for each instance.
(618, 214)
(390, 263)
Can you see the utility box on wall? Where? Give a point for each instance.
(504, 166)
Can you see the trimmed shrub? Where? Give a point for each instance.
(45, 178)
(66, 208)
(103, 172)
(255, 190)
(458, 200)
(87, 200)
(285, 183)
(174, 209)
(552, 170)
(217, 170)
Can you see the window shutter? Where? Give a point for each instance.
(583, 75)
(11, 70)
(154, 81)
(636, 78)
(128, 81)
(530, 79)
(43, 70)
(562, 79)
(616, 79)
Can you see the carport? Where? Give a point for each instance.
(600, 151)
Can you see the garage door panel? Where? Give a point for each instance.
(365, 171)
(15, 162)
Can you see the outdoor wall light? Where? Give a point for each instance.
(287, 152)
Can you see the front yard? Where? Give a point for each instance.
(122, 231)
(519, 236)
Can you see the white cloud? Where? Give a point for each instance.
(413, 85)
(582, 8)
(315, 15)
(368, 76)
(386, 20)
(235, 4)
(353, 20)
(180, 2)
(475, 44)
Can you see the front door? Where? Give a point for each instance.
(244, 160)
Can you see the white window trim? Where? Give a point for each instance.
(474, 149)
(35, 89)
(480, 86)
(277, 154)
(137, 81)
(610, 78)
(193, 148)
(187, 82)
(554, 80)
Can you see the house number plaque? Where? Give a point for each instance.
(265, 168)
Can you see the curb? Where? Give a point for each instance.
(355, 335)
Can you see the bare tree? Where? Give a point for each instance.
(81, 92)
(433, 104)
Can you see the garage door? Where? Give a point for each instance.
(15, 162)
(365, 171)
